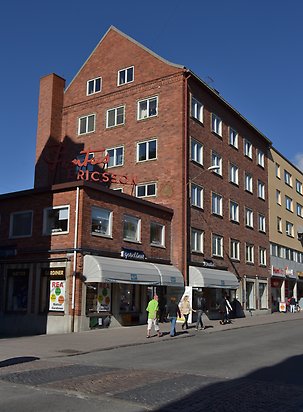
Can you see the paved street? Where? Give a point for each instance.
(249, 366)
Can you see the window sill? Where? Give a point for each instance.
(158, 246)
(101, 235)
(132, 241)
(217, 134)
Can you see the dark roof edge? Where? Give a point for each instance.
(90, 185)
(230, 107)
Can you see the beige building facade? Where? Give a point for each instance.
(285, 183)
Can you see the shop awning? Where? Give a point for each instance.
(212, 278)
(111, 270)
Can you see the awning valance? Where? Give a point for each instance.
(111, 270)
(212, 278)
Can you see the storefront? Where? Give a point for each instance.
(214, 283)
(118, 290)
(277, 288)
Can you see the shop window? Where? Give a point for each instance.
(157, 232)
(250, 295)
(21, 224)
(17, 290)
(129, 298)
(263, 295)
(101, 224)
(131, 228)
(56, 220)
(52, 290)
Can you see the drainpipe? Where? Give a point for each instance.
(75, 258)
(185, 182)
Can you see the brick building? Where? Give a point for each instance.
(152, 129)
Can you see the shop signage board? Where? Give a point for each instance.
(132, 254)
(57, 295)
(282, 307)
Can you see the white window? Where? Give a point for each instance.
(94, 86)
(278, 197)
(126, 76)
(279, 224)
(216, 124)
(287, 178)
(299, 187)
(262, 223)
(157, 234)
(56, 220)
(131, 228)
(147, 150)
(247, 148)
(288, 203)
(234, 249)
(299, 210)
(196, 241)
(261, 190)
(263, 295)
(146, 190)
(234, 174)
(196, 151)
(21, 224)
(216, 204)
(289, 229)
(233, 138)
(249, 253)
(196, 196)
(278, 171)
(216, 160)
(248, 182)
(116, 156)
(101, 223)
(260, 158)
(147, 108)
(86, 124)
(262, 256)
(196, 109)
(217, 245)
(115, 116)
(249, 217)
(233, 211)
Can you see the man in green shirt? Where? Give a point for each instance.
(153, 309)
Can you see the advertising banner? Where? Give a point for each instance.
(57, 295)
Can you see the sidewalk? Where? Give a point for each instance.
(50, 346)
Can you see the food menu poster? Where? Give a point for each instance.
(57, 295)
(104, 298)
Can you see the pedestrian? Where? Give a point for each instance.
(292, 304)
(152, 320)
(200, 308)
(173, 311)
(225, 309)
(185, 310)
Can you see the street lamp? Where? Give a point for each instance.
(210, 168)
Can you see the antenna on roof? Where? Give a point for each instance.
(209, 80)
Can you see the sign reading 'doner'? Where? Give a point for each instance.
(85, 168)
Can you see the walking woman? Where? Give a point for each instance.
(185, 309)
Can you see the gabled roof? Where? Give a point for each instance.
(133, 41)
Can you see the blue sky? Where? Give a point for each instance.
(251, 51)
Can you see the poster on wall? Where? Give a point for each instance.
(57, 295)
(104, 298)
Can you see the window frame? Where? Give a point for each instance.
(248, 182)
(93, 115)
(198, 193)
(289, 225)
(125, 70)
(197, 239)
(115, 110)
(287, 178)
(161, 243)
(132, 219)
(288, 203)
(197, 109)
(262, 256)
(261, 223)
(45, 217)
(196, 151)
(94, 86)
(248, 148)
(148, 115)
(234, 249)
(216, 204)
(216, 244)
(147, 143)
(216, 160)
(249, 253)
(216, 124)
(249, 218)
(260, 158)
(146, 188)
(115, 157)
(108, 233)
(234, 215)
(11, 224)
(234, 174)
(233, 138)
(261, 190)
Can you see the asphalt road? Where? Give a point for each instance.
(258, 368)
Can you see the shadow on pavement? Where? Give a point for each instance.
(277, 388)
(15, 361)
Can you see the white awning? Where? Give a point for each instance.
(212, 278)
(111, 270)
